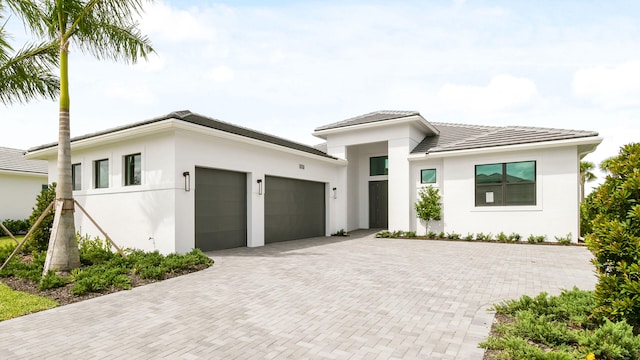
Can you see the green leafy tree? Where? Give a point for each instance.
(615, 238)
(25, 74)
(586, 175)
(40, 236)
(429, 207)
(105, 29)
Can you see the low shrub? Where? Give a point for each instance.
(502, 237)
(564, 240)
(484, 237)
(469, 237)
(560, 327)
(51, 280)
(431, 235)
(441, 235)
(514, 237)
(532, 239)
(340, 232)
(94, 251)
(16, 227)
(453, 236)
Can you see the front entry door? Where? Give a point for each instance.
(378, 204)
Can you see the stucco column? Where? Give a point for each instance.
(399, 189)
(255, 209)
(337, 206)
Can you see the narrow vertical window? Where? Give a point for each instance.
(101, 173)
(132, 170)
(76, 176)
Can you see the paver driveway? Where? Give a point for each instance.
(333, 298)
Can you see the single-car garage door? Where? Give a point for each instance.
(294, 209)
(221, 209)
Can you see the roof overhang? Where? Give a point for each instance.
(158, 127)
(22, 173)
(585, 145)
(413, 119)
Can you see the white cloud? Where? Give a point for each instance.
(175, 25)
(609, 87)
(154, 63)
(136, 94)
(221, 74)
(504, 92)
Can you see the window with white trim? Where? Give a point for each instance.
(506, 184)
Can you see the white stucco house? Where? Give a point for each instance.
(184, 180)
(21, 181)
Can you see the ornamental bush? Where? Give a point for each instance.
(615, 239)
(429, 207)
(39, 239)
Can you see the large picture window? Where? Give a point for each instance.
(132, 170)
(379, 165)
(76, 176)
(506, 184)
(101, 173)
(428, 176)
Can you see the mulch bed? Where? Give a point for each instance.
(64, 296)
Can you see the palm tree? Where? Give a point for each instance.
(25, 74)
(586, 175)
(105, 29)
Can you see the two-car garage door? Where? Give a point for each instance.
(294, 209)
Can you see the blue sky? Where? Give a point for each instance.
(286, 67)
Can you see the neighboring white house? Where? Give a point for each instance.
(21, 181)
(184, 180)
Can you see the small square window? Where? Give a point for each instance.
(76, 176)
(101, 173)
(379, 165)
(428, 176)
(132, 170)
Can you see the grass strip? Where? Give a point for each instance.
(17, 303)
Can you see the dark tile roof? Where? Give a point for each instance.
(188, 116)
(369, 118)
(462, 137)
(13, 160)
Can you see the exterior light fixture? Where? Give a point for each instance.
(259, 186)
(187, 181)
(335, 193)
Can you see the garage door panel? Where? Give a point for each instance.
(221, 209)
(294, 209)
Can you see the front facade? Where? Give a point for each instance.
(183, 180)
(21, 181)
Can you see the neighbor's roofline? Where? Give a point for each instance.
(577, 141)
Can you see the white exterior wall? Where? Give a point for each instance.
(136, 216)
(557, 204)
(18, 192)
(197, 150)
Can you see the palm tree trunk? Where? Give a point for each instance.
(62, 253)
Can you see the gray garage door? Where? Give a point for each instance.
(294, 209)
(221, 209)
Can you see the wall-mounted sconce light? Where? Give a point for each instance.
(335, 193)
(187, 181)
(259, 186)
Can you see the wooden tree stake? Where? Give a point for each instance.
(15, 251)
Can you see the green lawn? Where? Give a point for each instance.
(17, 303)
(5, 240)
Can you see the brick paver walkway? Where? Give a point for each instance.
(328, 298)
